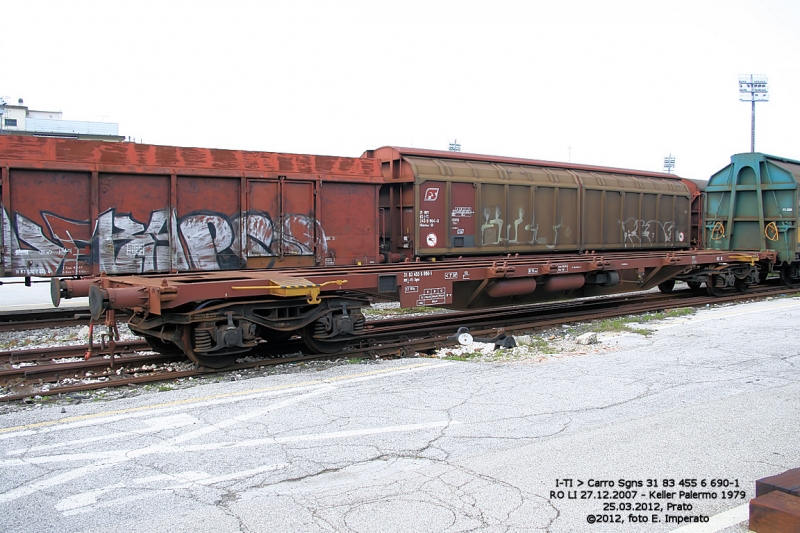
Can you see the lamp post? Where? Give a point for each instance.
(669, 163)
(753, 88)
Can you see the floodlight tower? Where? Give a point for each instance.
(753, 88)
(454, 146)
(669, 163)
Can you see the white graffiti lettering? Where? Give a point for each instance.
(120, 244)
(637, 232)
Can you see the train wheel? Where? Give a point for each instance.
(741, 285)
(322, 346)
(711, 288)
(787, 278)
(216, 360)
(161, 346)
(667, 286)
(694, 285)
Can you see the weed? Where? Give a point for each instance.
(542, 346)
(613, 325)
(392, 311)
(681, 311)
(463, 356)
(670, 313)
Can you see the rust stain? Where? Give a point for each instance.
(326, 163)
(305, 164)
(167, 156)
(74, 151)
(195, 157)
(367, 166)
(137, 157)
(258, 161)
(141, 154)
(224, 159)
(346, 165)
(285, 163)
(116, 154)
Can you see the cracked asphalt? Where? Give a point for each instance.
(425, 444)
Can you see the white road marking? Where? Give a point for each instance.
(108, 459)
(148, 412)
(315, 437)
(85, 498)
(247, 416)
(171, 446)
(168, 444)
(156, 425)
(180, 405)
(87, 502)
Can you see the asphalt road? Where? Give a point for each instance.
(673, 426)
(15, 296)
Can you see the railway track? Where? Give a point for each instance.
(30, 319)
(63, 370)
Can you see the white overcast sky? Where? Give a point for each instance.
(616, 83)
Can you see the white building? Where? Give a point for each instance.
(17, 119)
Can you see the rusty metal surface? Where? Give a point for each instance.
(41, 152)
(83, 207)
(453, 283)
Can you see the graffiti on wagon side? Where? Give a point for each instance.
(492, 229)
(120, 244)
(638, 232)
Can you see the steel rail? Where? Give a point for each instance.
(400, 337)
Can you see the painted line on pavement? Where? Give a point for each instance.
(109, 416)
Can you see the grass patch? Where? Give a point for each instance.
(670, 313)
(463, 357)
(613, 325)
(542, 346)
(15, 343)
(401, 311)
(610, 325)
(622, 324)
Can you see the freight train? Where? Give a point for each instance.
(216, 252)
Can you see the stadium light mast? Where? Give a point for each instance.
(454, 146)
(753, 88)
(669, 163)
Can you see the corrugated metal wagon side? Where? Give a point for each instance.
(630, 212)
(473, 207)
(77, 208)
(469, 204)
